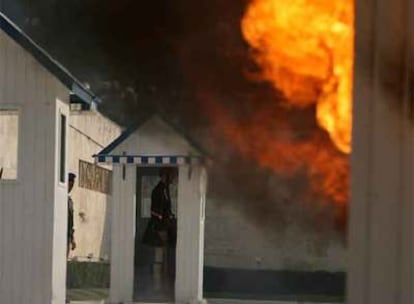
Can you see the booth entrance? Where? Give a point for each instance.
(141, 273)
(154, 267)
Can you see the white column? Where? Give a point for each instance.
(60, 213)
(123, 234)
(381, 236)
(190, 235)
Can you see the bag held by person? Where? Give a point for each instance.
(152, 235)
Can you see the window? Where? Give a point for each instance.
(9, 134)
(62, 144)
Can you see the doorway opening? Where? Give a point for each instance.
(154, 266)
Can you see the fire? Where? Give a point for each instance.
(276, 147)
(305, 48)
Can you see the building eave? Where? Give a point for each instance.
(53, 66)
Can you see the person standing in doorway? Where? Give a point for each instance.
(161, 200)
(71, 244)
(158, 233)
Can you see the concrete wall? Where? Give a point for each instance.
(33, 207)
(233, 241)
(89, 132)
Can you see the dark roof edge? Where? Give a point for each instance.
(54, 67)
(117, 141)
(124, 135)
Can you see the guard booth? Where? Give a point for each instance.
(137, 156)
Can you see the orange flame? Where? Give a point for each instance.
(305, 48)
(281, 151)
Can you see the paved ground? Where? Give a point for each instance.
(97, 296)
(236, 301)
(91, 294)
(218, 301)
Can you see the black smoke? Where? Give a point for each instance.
(173, 57)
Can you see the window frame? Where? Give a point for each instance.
(61, 108)
(19, 110)
(61, 111)
(62, 120)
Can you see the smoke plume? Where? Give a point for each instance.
(188, 60)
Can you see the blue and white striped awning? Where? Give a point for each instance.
(149, 160)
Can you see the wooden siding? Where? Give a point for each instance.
(29, 232)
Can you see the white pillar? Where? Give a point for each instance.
(60, 213)
(123, 234)
(381, 236)
(190, 235)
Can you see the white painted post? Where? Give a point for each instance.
(190, 235)
(58, 247)
(123, 234)
(381, 243)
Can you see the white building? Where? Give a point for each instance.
(40, 141)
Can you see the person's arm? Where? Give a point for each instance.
(158, 215)
(73, 242)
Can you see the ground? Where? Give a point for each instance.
(97, 296)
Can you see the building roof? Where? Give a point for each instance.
(105, 154)
(79, 92)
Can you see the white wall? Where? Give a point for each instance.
(90, 132)
(28, 228)
(155, 137)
